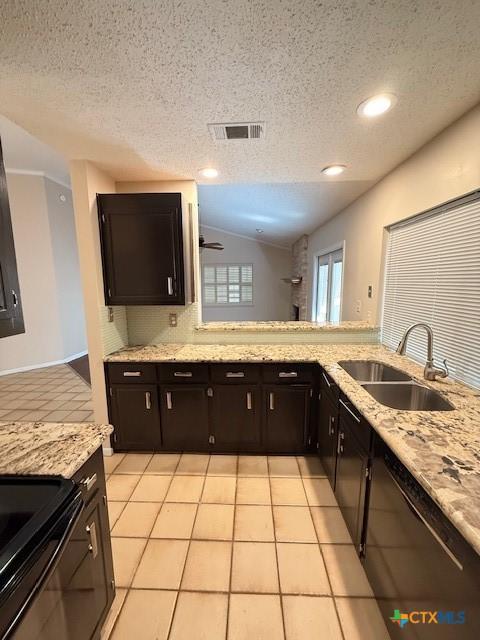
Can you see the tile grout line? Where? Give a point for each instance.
(178, 590)
(227, 626)
(325, 565)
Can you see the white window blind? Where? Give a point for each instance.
(227, 284)
(433, 276)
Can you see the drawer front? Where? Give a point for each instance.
(356, 422)
(91, 476)
(329, 387)
(235, 373)
(183, 372)
(288, 373)
(131, 372)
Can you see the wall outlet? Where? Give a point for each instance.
(370, 290)
(172, 319)
(358, 306)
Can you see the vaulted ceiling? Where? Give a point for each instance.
(133, 85)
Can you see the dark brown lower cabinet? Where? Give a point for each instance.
(327, 436)
(236, 418)
(353, 459)
(136, 417)
(287, 414)
(184, 417)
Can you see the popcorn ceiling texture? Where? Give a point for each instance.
(300, 269)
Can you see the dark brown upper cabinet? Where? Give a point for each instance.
(142, 248)
(11, 314)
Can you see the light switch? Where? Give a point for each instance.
(358, 306)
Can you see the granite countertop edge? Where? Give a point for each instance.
(440, 449)
(48, 448)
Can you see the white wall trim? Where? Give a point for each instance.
(334, 247)
(239, 235)
(42, 174)
(43, 364)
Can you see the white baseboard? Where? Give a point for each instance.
(42, 365)
(107, 451)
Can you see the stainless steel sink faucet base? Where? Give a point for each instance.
(431, 372)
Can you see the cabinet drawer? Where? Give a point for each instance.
(356, 422)
(235, 373)
(183, 372)
(91, 476)
(131, 373)
(288, 373)
(329, 387)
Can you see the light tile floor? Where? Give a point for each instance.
(52, 394)
(232, 548)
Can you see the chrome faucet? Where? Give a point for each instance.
(431, 371)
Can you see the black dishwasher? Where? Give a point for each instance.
(425, 576)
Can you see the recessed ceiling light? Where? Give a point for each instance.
(334, 169)
(376, 105)
(259, 230)
(209, 172)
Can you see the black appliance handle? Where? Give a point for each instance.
(70, 516)
(423, 520)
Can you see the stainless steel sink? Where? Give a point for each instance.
(408, 397)
(371, 371)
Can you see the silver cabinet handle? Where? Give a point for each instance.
(183, 374)
(91, 529)
(15, 298)
(341, 438)
(288, 374)
(169, 400)
(89, 482)
(170, 285)
(148, 400)
(132, 374)
(327, 381)
(249, 400)
(235, 374)
(271, 401)
(354, 415)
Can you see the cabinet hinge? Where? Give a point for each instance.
(211, 439)
(109, 292)
(114, 437)
(309, 441)
(103, 218)
(361, 548)
(368, 472)
(210, 392)
(110, 391)
(311, 393)
(112, 585)
(318, 445)
(319, 395)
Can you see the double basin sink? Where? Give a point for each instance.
(394, 388)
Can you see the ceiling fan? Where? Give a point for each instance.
(210, 245)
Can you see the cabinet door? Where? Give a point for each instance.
(287, 415)
(11, 315)
(135, 417)
(184, 411)
(327, 436)
(142, 248)
(236, 418)
(351, 481)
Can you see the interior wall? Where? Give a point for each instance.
(445, 168)
(47, 261)
(271, 296)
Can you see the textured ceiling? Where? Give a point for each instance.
(132, 85)
(284, 211)
(23, 152)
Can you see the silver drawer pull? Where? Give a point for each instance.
(183, 374)
(91, 529)
(148, 400)
(132, 374)
(271, 401)
(327, 381)
(89, 482)
(235, 374)
(354, 415)
(169, 400)
(288, 374)
(249, 400)
(170, 285)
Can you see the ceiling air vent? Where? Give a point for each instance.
(237, 131)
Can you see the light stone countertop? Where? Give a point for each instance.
(290, 326)
(441, 449)
(48, 448)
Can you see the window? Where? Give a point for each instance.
(432, 275)
(328, 287)
(227, 284)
